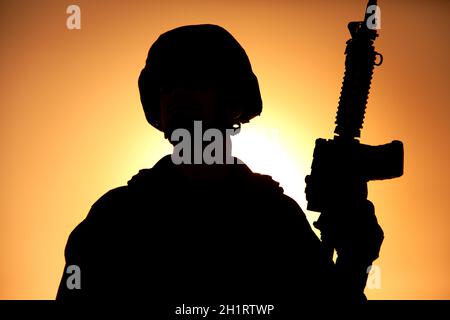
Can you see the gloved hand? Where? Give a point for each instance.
(347, 222)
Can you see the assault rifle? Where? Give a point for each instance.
(343, 160)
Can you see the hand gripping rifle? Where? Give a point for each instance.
(344, 160)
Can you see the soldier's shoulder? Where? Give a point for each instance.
(268, 186)
(99, 219)
(113, 198)
(270, 190)
(266, 183)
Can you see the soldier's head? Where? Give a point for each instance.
(198, 72)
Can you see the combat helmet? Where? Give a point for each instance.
(200, 56)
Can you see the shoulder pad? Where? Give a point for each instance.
(141, 177)
(265, 182)
(109, 203)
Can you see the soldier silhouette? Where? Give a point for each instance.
(211, 233)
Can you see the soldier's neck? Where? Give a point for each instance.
(203, 172)
(199, 171)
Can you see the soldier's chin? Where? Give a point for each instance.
(169, 133)
(189, 127)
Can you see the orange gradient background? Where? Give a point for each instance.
(72, 126)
